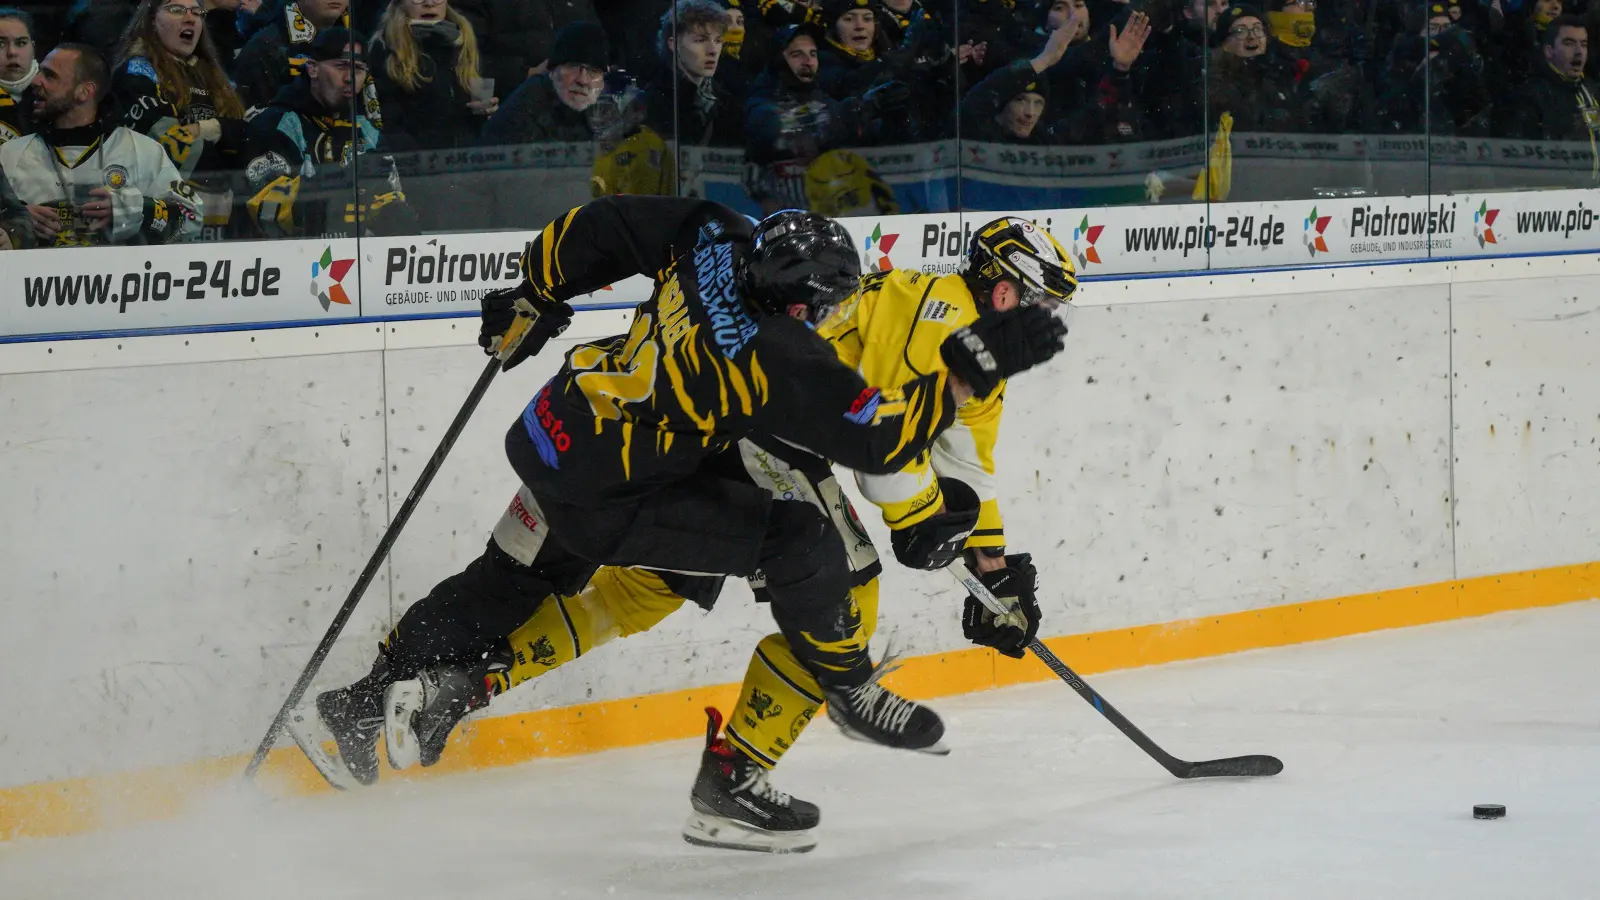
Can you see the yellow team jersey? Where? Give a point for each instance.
(890, 332)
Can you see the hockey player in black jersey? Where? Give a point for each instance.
(629, 456)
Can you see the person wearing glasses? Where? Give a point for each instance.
(558, 104)
(1243, 81)
(168, 83)
(18, 66)
(313, 166)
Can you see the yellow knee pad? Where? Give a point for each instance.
(616, 603)
(779, 697)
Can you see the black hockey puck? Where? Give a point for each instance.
(1488, 811)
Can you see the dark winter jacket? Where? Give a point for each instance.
(222, 26)
(631, 26)
(16, 116)
(304, 168)
(844, 75)
(1169, 77)
(434, 114)
(1449, 96)
(1091, 101)
(706, 115)
(534, 114)
(363, 17)
(787, 119)
(1553, 107)
(99, 23)
(1004, 26)
(988, 97)
(515, 35)
(1252, 92)
(274, 56)
(147, 109)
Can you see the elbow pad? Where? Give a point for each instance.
(937, 541)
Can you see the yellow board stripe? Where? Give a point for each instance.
(84, 804)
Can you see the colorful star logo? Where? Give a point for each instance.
(1314, 226)
(879, 245)
(327, 279)
(1083, 238)
(1483, 224)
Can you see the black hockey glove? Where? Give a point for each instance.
(1014, 587)
(1000, 345)
(501, 308)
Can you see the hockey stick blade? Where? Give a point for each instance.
(1233, 767)
(1236, 766)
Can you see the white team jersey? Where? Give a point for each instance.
(151, 203)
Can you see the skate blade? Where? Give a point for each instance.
(401, 703)
(937, 748)
(707, 830)
(313, 738)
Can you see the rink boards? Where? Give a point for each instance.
(1220, 462)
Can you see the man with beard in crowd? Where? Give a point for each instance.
(1558, 103)
(312, 168)
(554, 106)
(790, 121)
(81, 180)
(276, 54)
(18, 66)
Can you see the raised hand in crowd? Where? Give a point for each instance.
(1127, 45)
(972, 53)
(1056, 46)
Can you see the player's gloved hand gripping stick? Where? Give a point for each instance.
(1209, 768)
(521, 329)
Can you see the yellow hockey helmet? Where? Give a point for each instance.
(1014, 248)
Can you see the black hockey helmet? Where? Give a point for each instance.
(800, 257)
(1013, 248)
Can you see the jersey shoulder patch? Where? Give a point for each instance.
(143, 68)
(936, 311)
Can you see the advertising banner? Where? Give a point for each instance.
(181, 286)
(450, 273)
(1527, 222)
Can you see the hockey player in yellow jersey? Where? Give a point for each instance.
(940, 504)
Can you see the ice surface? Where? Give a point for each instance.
(1388, 740)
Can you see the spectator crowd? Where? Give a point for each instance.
(151, 121)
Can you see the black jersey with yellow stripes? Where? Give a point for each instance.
(700, 366)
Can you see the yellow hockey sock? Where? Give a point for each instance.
(616, 603)
(779, 697)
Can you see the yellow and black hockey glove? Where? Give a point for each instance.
(502, 307)
(1013, 586)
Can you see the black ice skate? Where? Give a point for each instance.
(351, 718)
(420, 714)
(875, 714)
(736, 808)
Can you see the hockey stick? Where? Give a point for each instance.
(508, 345)
(1182, 768)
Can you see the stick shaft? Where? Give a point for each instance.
(1234, 766)
(509, 343)
(977, 589)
